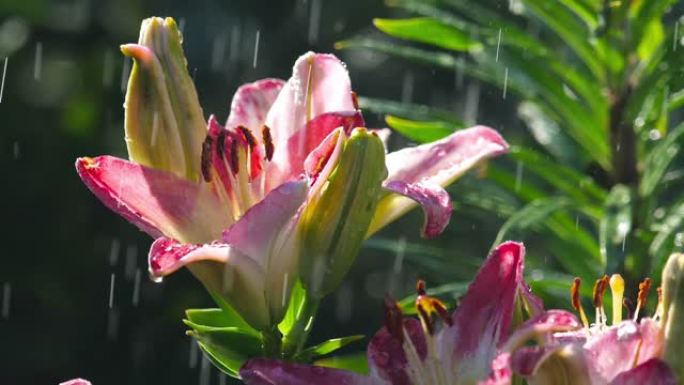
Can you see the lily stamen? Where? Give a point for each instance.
(617, 289)
(644, 289)
(599, 290)
(577, 304)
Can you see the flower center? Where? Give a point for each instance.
(617, 288)
(233, 163)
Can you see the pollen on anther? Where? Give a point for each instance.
(234, 159)
(599, 290)
(268, 141)
(205, 162)
(247, 135)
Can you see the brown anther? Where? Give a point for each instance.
(442, 311)
(355, 100)
(425, 317)
(420, 287)
(599, 289)
(205, 162)
(574, 294)
(629, 306)
(247, 135)
(268, 141)
(234, 159)
(394, 319)
(221, 145)
(644, 289)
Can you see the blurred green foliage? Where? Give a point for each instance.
(595, 186)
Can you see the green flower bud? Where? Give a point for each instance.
(673, 313)
(335, 221)
(164, 122)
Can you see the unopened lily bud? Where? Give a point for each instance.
(336, 220)
(673, 312)
(164, 122)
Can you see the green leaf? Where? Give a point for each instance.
(408, 110)
(215, 317)
(654, 35)
(430, 31)
(533, 215)
(293, 308)
(566, 179)
(659, 159)
(328, 347)
(420, 131)
(228, 348)
(664, 241)
(449, 293)
(354, 362)
(676, 100)
(615, 227)
(547, 132)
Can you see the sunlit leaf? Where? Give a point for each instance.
(616, 226)
(293, 308)
(354, 362)
(530, 217)
(659, 159)
(420, 131)
(328, 346)
(431, 31)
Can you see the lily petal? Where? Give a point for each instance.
(615, 350)
(75, 381)
(501, 373)
(289, 160)
(156, 201)
(251, 103)
(540, 327)
(222, 269)
(435, 201)
(437, 163)
(483, 317)
(387, 355)
(651, 372)
(261, 371)
(320, 83)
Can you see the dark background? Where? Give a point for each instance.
(60, 246)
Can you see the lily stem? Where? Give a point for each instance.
(294, 341)
(271, 340)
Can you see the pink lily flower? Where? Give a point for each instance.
(627, 352)
(228, 207)
(75, 381)
(408, 351)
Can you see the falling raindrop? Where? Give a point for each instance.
(38, 61)
(343, 303)
(205, 371)
(136, 287)
(194, 353)
(624, 240)
(676, 36)
(6, 297)
(518, 175)
(16, 150)
(131, 257)
(112, 324)
(181, 25)
(4, 73)
(654, 134)
(114, 252)
(472, 103)
(407, 87)
(112, 279)
(124, 72)
(314, 21)
(234, 42)
(256, 48)
(505, 85)
(498, 45)
(108, 69)
(218, 51)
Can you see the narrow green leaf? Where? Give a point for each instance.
(420, 131)
(293, 308)
(615, 227)
(533, 215)
(654, 35)
(227, 348)
(408, 110)
(430, 31)
(676, 100)
(354, 362)
(659, 159)
(547, 132)
(215, 317)
(328, 346)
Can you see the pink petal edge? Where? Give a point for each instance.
(435, 201)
